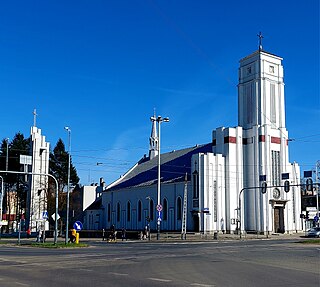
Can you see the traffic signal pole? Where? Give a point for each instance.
(56, 182)
(263, 189)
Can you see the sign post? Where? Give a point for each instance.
(78, 227)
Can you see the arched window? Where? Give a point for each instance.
(195, 184)
(118, 211)
(128, 211)
(139, 210)
(109, 212)
(179, 208)
(151, 208)
(165, 209)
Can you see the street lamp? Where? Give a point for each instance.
(7, 153)
(7, 186)
(159, 120)
(1, 204)
(68, 191)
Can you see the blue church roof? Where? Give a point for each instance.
(174, 166)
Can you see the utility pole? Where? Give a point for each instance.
(7, 186)
(68, 191)
(159, 120)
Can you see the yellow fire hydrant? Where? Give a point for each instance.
(77, 238)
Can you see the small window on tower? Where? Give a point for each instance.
(249, 70)
(271, 69)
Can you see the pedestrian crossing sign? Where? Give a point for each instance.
(45, 215)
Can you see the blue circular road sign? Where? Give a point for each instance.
(78, 225)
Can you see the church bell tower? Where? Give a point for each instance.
(261, 114)
(261, 91)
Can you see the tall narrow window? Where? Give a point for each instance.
(128, 211)
(179, 208)
(275, 168)
(165, 209)
(118, 211)
(195, 184)
(249, 102)
(139, 211)
(151, 208)
(273, 115)
(109, 212)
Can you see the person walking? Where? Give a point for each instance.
(123, 234)
(72, 235)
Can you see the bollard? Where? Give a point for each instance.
(77, 238)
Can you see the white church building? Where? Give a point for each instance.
(224, 177)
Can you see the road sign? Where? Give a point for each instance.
(78, 225)
(45, 215)
(159, 207)
(53, 216)
(316, 218)
(26, 159)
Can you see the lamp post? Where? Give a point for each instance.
(1, 204)
(317, 190)
(7, 187)
(7, 153)
(68, 191)
(239, 206)
(159, 120)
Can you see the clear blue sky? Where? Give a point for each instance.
(101, 67)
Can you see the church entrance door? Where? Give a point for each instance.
(279, 219)
(196, 225)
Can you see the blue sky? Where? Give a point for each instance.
(101, 67)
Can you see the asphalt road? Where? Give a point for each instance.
(142, 263)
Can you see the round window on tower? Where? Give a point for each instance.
(276, 193)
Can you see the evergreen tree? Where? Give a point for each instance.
(58, 167)
(15, 185)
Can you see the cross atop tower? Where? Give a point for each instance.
(35, 117)
(260, 40)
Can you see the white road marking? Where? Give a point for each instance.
(161, 280)
(12, 260)
(83, 269)
(22, 284)
(202, 285)
(118, 274)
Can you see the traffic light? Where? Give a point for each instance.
(287, 186)
(309, 184)
(264, 187)
(307, 215)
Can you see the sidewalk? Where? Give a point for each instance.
(221, 237)
(170, 237)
